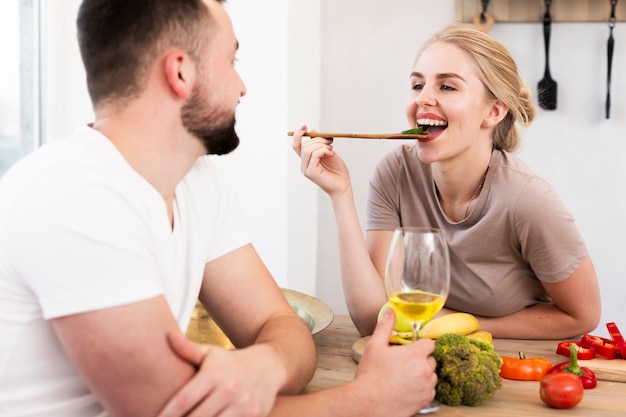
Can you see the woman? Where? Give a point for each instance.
(518, 262)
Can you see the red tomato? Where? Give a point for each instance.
(561, 390)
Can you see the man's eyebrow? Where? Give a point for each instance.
(441, 76)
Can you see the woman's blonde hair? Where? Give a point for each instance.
(498, 72)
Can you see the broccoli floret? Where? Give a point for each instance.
(468, 370)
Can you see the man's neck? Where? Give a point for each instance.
(153, 143)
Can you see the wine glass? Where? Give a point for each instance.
(417, 278)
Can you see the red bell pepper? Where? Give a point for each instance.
(586, 375)
(600, 346)
(617, 338)
(582, 353)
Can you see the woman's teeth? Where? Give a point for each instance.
(431, 122)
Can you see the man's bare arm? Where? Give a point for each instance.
(123, 355)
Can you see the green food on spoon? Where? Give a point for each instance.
(413, 131)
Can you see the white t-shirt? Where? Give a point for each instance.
(80, 230)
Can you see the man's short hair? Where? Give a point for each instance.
(119, 40)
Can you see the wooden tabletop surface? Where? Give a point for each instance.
(516, 398)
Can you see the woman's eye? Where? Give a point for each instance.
(417, 86)
(447, 88)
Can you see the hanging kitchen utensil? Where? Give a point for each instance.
(610, 45)
(484, 20)
(547, 86)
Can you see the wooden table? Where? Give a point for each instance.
(516, 398)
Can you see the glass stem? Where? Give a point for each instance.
(415, 326)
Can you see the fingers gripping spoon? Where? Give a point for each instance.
(547, 87)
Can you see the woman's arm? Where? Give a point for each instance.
(575, 310)
(547, 243)
(362, 283)
(362, 280)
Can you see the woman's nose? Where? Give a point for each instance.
(426, 97)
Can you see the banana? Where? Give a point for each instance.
(397, 340)
(403, 335)
(459, 323)
(482, 335)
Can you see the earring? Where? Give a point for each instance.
(485, 123)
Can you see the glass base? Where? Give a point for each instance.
(431, 407)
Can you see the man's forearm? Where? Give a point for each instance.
(293, 350)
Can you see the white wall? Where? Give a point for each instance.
(303, 98)
(66, 103)
(343, 65)
(257, 168)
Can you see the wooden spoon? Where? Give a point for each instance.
(364, 135)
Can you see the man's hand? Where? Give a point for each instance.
(401, 378)
(228, 382)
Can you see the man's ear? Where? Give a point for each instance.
(179, 73)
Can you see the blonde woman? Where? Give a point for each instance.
(518, 261)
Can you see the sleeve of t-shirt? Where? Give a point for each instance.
(550, 240)
(228, 230)
(83, 246)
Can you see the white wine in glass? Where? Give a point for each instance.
(417, 277)
(417, 306)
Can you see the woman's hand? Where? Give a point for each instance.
(228, 382)
(320, 163)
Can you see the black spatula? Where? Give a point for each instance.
(547, 86)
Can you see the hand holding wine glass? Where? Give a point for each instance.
(417, 277)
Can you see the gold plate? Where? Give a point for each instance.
(315, 313)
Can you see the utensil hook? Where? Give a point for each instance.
(546, 16)
(612, 18)
(484, 20)
(485, 4)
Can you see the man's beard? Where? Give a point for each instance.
(197, 116)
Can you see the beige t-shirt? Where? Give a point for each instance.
(518, 234)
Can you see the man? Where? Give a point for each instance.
(107, 239)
